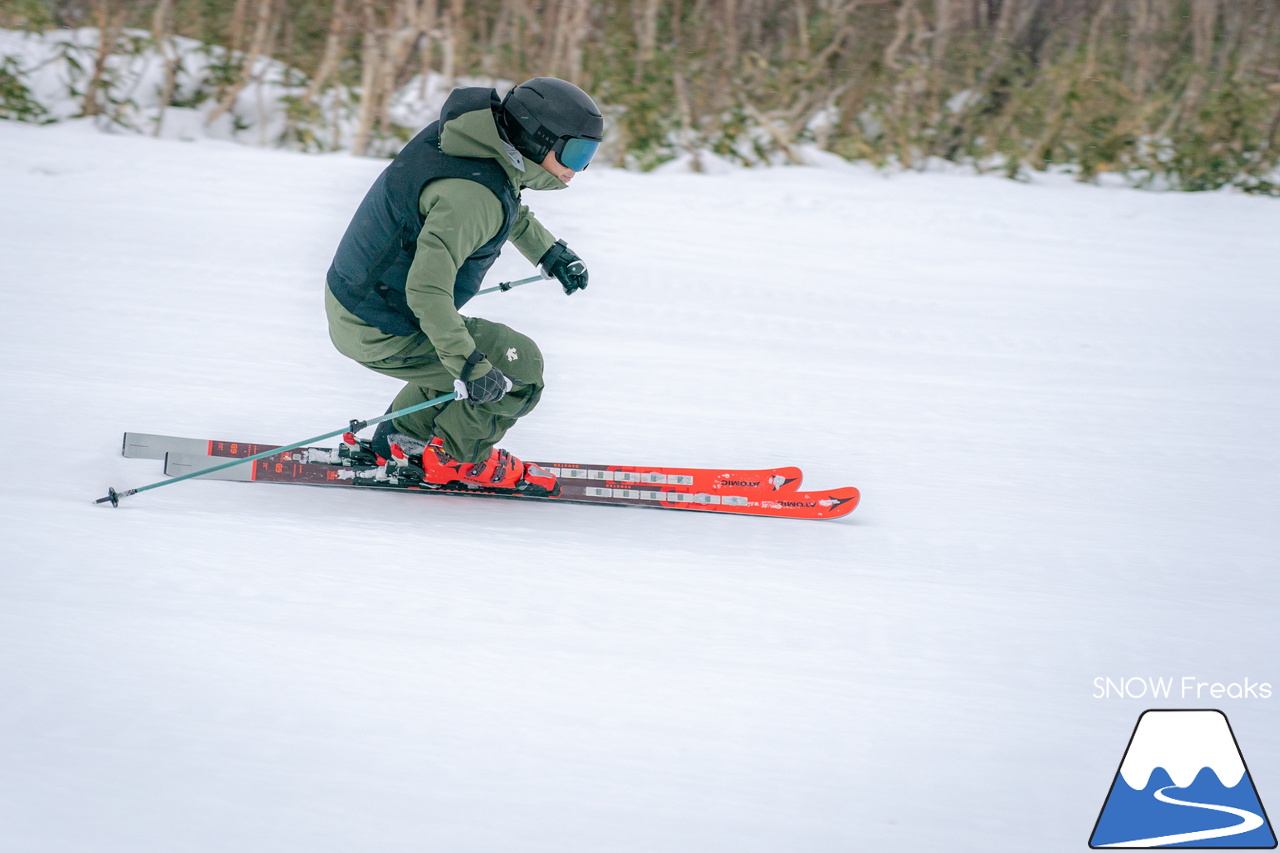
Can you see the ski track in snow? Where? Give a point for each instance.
(1059, 403)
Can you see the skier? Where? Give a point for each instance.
(416, 251)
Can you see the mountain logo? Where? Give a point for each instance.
(1182, 783)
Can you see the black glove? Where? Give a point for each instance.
(490, 388)
(560, 262)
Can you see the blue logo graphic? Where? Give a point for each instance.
(1183, 783)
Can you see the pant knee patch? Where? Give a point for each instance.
(515, 354)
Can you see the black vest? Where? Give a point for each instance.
(372, 262)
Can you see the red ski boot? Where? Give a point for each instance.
(501, 471)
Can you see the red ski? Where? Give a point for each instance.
(293, 466)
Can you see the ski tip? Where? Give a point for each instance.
(809, 506)
(841, 502)
(787, 479)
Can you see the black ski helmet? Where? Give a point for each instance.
(548, 114)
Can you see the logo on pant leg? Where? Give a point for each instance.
(512, 355)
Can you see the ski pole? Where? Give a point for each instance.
(355, 426)
(504, 286)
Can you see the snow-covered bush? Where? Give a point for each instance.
(16, 100)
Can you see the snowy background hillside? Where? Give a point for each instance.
(53, 70)
(1059, 401)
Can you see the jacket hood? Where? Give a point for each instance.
(475, 134)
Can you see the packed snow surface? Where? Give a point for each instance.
(1059, 401)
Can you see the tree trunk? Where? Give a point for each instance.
(1262, 39)
(1095, 30)
(579, 29)
(452, 42)
(730, 35)
(1204, 20)
(646, 39)
(235, 32)
(1274, 128)
(1140, 47)
(110, 25)
(686, 120)
(556, 49)
(427, 14)
(332, 52)
(370, 56)
(803, 44)
(944, 23)
(162, 35)
(903, 18)
(261, 34)
(401, 41)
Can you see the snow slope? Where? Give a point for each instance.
(1060, 403)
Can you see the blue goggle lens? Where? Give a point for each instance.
(576, 153)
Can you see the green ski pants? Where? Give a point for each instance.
(469, 431)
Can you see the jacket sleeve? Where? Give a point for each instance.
(529, 236)
(461, 216)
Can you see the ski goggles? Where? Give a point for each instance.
(574, 152)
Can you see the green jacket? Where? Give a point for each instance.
(461, 216)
